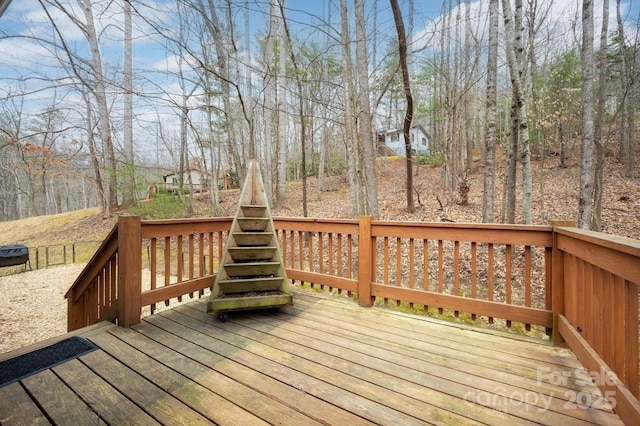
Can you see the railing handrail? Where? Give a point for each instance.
(613, 242)
(107, 248)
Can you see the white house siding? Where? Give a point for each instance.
(394, 140)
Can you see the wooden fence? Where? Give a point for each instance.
(44, 257)
(578, 287)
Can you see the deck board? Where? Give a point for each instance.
(57, 400)
(321, 361)
(17, 407)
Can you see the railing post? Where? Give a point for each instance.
(129, 270)
(366, 264)
(557, 280)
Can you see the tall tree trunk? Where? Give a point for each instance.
(269, 95)
(586, 160)
(301, 116)
(250, 106)
(98, 182)
(224, 73)
(408, 117)
(491, 100)
(324, 141)
(281, 194)
(351, 136)
(101, 101)
(519, 126)
(364, 121)
(468, 121)
(129, 189)
(599, 123)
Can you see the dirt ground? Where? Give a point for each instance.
(33, 307)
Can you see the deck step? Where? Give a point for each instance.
(253, 224)
(245, 285)
(252, 239)
(252, 253)
(254, 210)
(248, 269)
(250, 301)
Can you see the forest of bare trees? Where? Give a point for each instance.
(100, 99)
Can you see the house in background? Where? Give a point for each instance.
(391, 142)
(195, 179)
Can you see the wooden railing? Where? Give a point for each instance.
(595, 303)
(142, 263)
(494, 271)
(580, 288)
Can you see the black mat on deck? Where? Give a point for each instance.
(17, 368)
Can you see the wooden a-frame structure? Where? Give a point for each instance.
(251, 273)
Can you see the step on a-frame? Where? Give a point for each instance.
(252, 253)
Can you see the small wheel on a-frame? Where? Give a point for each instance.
(222, 316)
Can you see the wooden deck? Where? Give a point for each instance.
(321, 361)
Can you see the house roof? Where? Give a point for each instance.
(3, 5)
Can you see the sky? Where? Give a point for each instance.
(25, 64)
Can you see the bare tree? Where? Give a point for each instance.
(586, 161)
(297, 72)
(519, 127)
(599, 120)
(129, 190)
(351, 136)
(364, 121)
(98, 89)
(406, 128)
(268, 83)
(491, 110)
(281, 192)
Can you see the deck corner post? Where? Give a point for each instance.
(366, 264)
(129, 270)
(557, 281)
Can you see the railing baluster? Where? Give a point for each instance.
(425, 266)
(191, 256)
(440, 270)
(608, 316)
(587, 305)
(180, 263)
(507, 283)
(474, 274)
(385, 263)
(320, 255)
(310, 245)
(350, 257)
(292, 249)
(456, 272)
(411, 266)
(339, 263)
(398, 265)
(301, 250)
(167, 264)
(282, 237)
(527, 281)
(201, 255)
(153, 268)
(490, 275)
(211, 256)
(330, 252)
